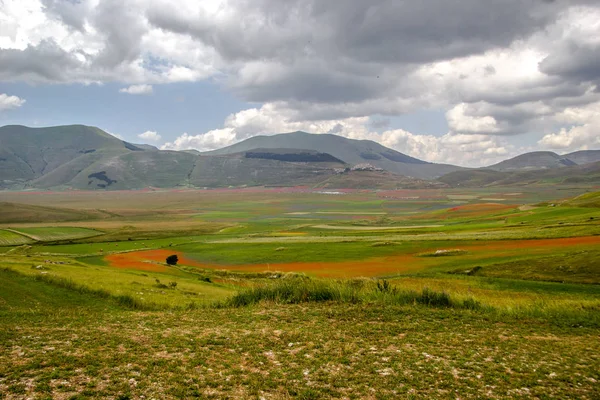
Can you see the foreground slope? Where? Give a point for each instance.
(350, 151)
(279, 351)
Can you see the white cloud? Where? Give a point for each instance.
(137, 89)
(10, 102)
(459, 120)
(584, 135)
(151, 136)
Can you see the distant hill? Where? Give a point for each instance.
(350, 151)
(532, 161)
(587, 173)
(546, 160)
(584, 156)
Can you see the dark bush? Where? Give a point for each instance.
(172, 259)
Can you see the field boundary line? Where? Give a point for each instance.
(37, 239)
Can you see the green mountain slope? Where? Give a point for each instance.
(29, 153)
(348, 150)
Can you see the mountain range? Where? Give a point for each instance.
(87, 158)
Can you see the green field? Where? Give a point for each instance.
(441, 293)
(11, 238)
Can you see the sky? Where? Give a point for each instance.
(464, 82)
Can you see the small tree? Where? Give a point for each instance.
(172, 260)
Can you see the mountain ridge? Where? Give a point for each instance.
(88, 158)
(351, 151)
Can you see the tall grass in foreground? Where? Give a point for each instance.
(294, 290)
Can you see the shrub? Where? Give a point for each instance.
(432, 298)
(172, 259)
(385, 287)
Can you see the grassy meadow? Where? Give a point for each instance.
(295, 293)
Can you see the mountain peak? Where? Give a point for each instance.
(350, 151)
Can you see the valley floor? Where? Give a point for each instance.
(295, 293)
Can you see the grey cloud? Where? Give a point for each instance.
(72, 13)
(380, 123)
(489, 70)
(356, 53)
(312, 84)
(537, 91)
(123, 29)
(388, 31)
(579, 63)
(44, 62)
(336, 129)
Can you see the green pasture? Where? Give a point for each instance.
(9, 238)
(568, 267)
(88, 248)
(283, 252)
(141, 285)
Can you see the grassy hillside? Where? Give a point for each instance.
(29, 153)
(223, 171)
(584, 200)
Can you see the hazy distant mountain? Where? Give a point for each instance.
(350, 151)
(534, 160)
(584, 156)
(146, 146)
(587, 173)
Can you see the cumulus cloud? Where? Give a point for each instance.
(137, 89)
(151, 136)
(10, 102)
(584, 135)
(51, 41)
